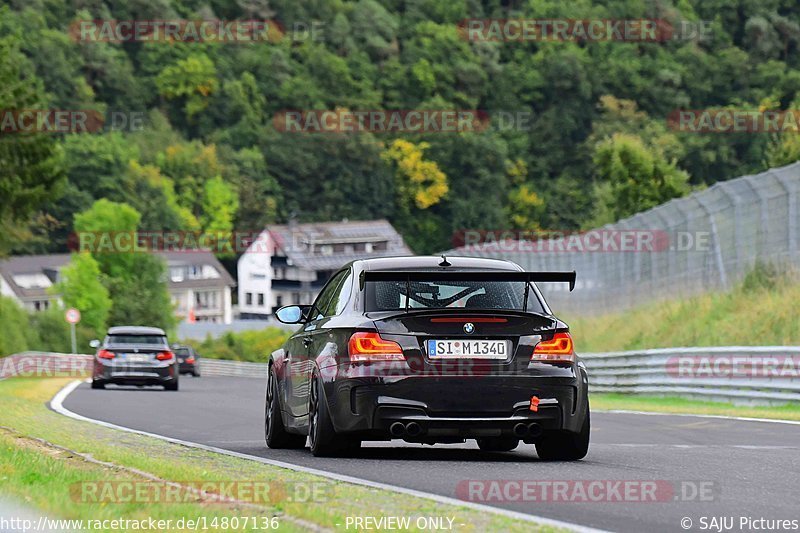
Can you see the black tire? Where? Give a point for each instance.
(497, 444)
(325, 442)
(275, 433)
(98, 384)
(565, 445)
(196, 373)
(171, 385)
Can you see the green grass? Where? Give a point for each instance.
(675, 404)
(41, 477)
(761, 311)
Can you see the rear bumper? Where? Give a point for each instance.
(130, 374)
(188, 368)
(457, 407)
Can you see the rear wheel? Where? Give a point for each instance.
(564, 445)
(325, 442)
(497, 444)
(98, 384)
(275, 432)
(172, 385)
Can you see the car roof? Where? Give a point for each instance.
(135, 330)
(434, 262)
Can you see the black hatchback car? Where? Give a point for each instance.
(188, 359)
(429, 350)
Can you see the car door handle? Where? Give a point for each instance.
(307, 341)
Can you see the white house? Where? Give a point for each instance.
(199, 285)
(289, 264)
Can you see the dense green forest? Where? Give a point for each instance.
(209, 155)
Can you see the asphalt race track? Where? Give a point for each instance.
(747, 468)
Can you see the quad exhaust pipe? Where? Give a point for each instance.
(398, 429)
(413, 429)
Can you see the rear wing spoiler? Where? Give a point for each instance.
(469, 275)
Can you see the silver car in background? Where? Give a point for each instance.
(134, 355)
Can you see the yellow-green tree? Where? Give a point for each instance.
(420, 184)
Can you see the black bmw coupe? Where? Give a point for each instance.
(429, 350)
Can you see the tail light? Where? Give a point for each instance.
(369, 346)
(105, 354)
(165, 356)
(190, 360)
(559, 349)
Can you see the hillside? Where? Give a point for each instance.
(199, 140)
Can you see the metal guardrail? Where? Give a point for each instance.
(33, 363)
(740, 374)
(219, 367)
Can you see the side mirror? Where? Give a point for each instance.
(292, 314)
(95, 343)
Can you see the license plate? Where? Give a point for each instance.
(137, 358)
(480, 349)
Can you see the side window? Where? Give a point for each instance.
(342, 296)
(324, 299)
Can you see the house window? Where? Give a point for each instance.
(279, 300)
(261, 299)
(205, 299)
(296, 298)
(176, 274)
(248, 298)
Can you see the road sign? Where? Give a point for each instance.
(73, 316)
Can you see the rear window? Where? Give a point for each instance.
(393, 295)
(183, 351)
(136, 339)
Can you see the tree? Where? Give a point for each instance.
(525, 207)
(190, 165)
(30, 164)
(633, 177)
(135, 278)
(154, 196)
(100, 226)
(15, 335)
(81, 287)
(142, 298)
(193, 80)
(420, 183)
(220, 203)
